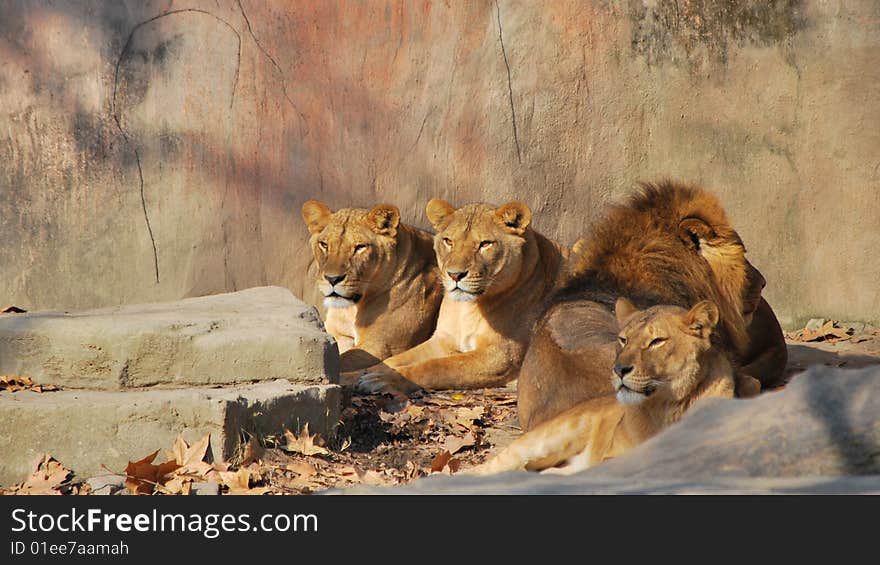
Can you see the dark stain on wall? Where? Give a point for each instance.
(93, 134)
(695, 31)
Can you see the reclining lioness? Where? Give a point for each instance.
(497, 272)
(666, 361)
(669, 244)
(378, 278)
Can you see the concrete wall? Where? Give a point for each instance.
(155, 150)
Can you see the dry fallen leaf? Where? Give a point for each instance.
(143, 477)
(253, 451)
(302, 468)
(464, 417)
(14, 383)
(191, 458)
(305, 443)
(47, 477)
(444, 462)
(828, 332)
(454, 444)
(239, 481)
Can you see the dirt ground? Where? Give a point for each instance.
(385, 440)
(395, 441)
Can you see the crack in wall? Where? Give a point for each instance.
(115, 113)
(421, 129)
(509, 86)
(275, 64)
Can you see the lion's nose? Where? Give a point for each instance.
(457, 275)
(621, 371)
(333, 279)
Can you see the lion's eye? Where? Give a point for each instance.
(657, 342)
(447, 241)
(360, 247)
(621, 340)
(322, 245)
(484, 244)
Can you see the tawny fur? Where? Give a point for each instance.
(391, 286)
(670, 363)
(485, 319)
(669, 244)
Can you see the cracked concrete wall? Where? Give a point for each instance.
(157, 150)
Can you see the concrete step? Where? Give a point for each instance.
(257, 334)
(90, 430)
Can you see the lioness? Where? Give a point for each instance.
(665, 363)
(670, 244)
(497, 272)
(378, 278)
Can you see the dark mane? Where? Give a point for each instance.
(646, 251)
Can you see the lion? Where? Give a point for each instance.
(497, 273)
(378, 278)
(666, 361)
(670, 244)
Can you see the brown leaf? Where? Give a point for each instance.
(440, 461)
(190, 455)
(14, 383)
(192, 463)
(455, 444)
(12, 310)
(464, 417)
(828, 332)
(302, 468)
(238, 482)
(143, 477)
(305, 443)
(47, 477)
(253, 451)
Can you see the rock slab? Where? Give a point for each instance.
(97, 433)
(259, 334)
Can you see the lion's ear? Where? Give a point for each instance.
(316, 216)
(438, 210)
(702, 318)
(623, 309)
(384, 219)
(694, 231)
(515, 216)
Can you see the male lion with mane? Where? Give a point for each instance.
(670, 244)
(497, 273)
(378, 278)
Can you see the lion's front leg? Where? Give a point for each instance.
(387, 376)
(481, 368)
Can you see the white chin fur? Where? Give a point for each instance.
(461, 296)
(337, 302)
(630, 397)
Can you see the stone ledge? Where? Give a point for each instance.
(258, 334)
(90, 430)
